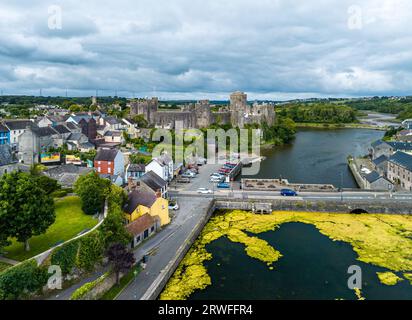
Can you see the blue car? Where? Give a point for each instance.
(288, 193)
(223, 185)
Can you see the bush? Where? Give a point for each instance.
(90, 251)
(86, 288)
(59, 193)
(65, 256)
(26, 278)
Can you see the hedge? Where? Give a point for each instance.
(90, 251)
(86, 288)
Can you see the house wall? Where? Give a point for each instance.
(399, 174)
(4, 137)
(119, 164)
(160, 209)
(104, 167)
(29, 147)
(140, 237)
(158, 169)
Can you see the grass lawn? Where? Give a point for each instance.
(4, 266)
(70, 221)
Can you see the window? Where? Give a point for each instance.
(98, 169)
(109, 170)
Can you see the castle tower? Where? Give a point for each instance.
(203, 114)
(238, 108)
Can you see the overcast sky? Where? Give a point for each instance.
(271, 49)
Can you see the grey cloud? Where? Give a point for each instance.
(182, 48)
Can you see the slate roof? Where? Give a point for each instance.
(17, 124)
(46, 131)
(111, 120)
(380, 160)
(106, 155)
(141, 224)
(61, 129)
(137, 167)
(397, 145)
(75, 136)
(71, 126)
(402, 159)
(113, 134)
(153, 181)
(6, 155)
(139, 197)
(3, 128)
(372, 177)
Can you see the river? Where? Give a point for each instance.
(318, 156)
(312, 267)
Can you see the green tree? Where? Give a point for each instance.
(28, 209)
(92, 191)
(21, 280)
(141, 121)
(91, 251)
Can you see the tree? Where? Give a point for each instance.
(141, 121)
(29, 211)
(91, 251)
(120, 258)
(49, 185)
(92, 191)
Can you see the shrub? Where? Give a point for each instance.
(26, 278)
(86, 288)
(65, 256)
(59, 193)
(90, 251)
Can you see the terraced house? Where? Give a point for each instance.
(4, 135)
(400, 170)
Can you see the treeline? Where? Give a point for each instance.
(318, 112)
(402, 107)
(64, 102)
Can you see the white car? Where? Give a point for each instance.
(204, 191)
(173, 206)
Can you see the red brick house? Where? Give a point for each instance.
(109, 161)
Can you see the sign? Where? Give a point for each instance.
(50, 157)
(70, 159)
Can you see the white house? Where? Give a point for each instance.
(159, 168)
(16, 128)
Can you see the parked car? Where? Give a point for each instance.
(204, 191)
(223, 185)
(217, 175)
(288, 193)
(216, 179)
(173, 205)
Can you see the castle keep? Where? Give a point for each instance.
(199, 115)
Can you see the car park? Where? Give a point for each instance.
(204, 191)
(223, 185)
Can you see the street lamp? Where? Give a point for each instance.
(341, 186)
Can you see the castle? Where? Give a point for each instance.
(199, 115)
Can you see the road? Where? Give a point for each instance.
(163, 246)
(331, 196)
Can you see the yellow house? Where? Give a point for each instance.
(143, 200)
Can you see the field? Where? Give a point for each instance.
(70, 221)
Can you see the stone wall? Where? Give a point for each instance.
(370, 206)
